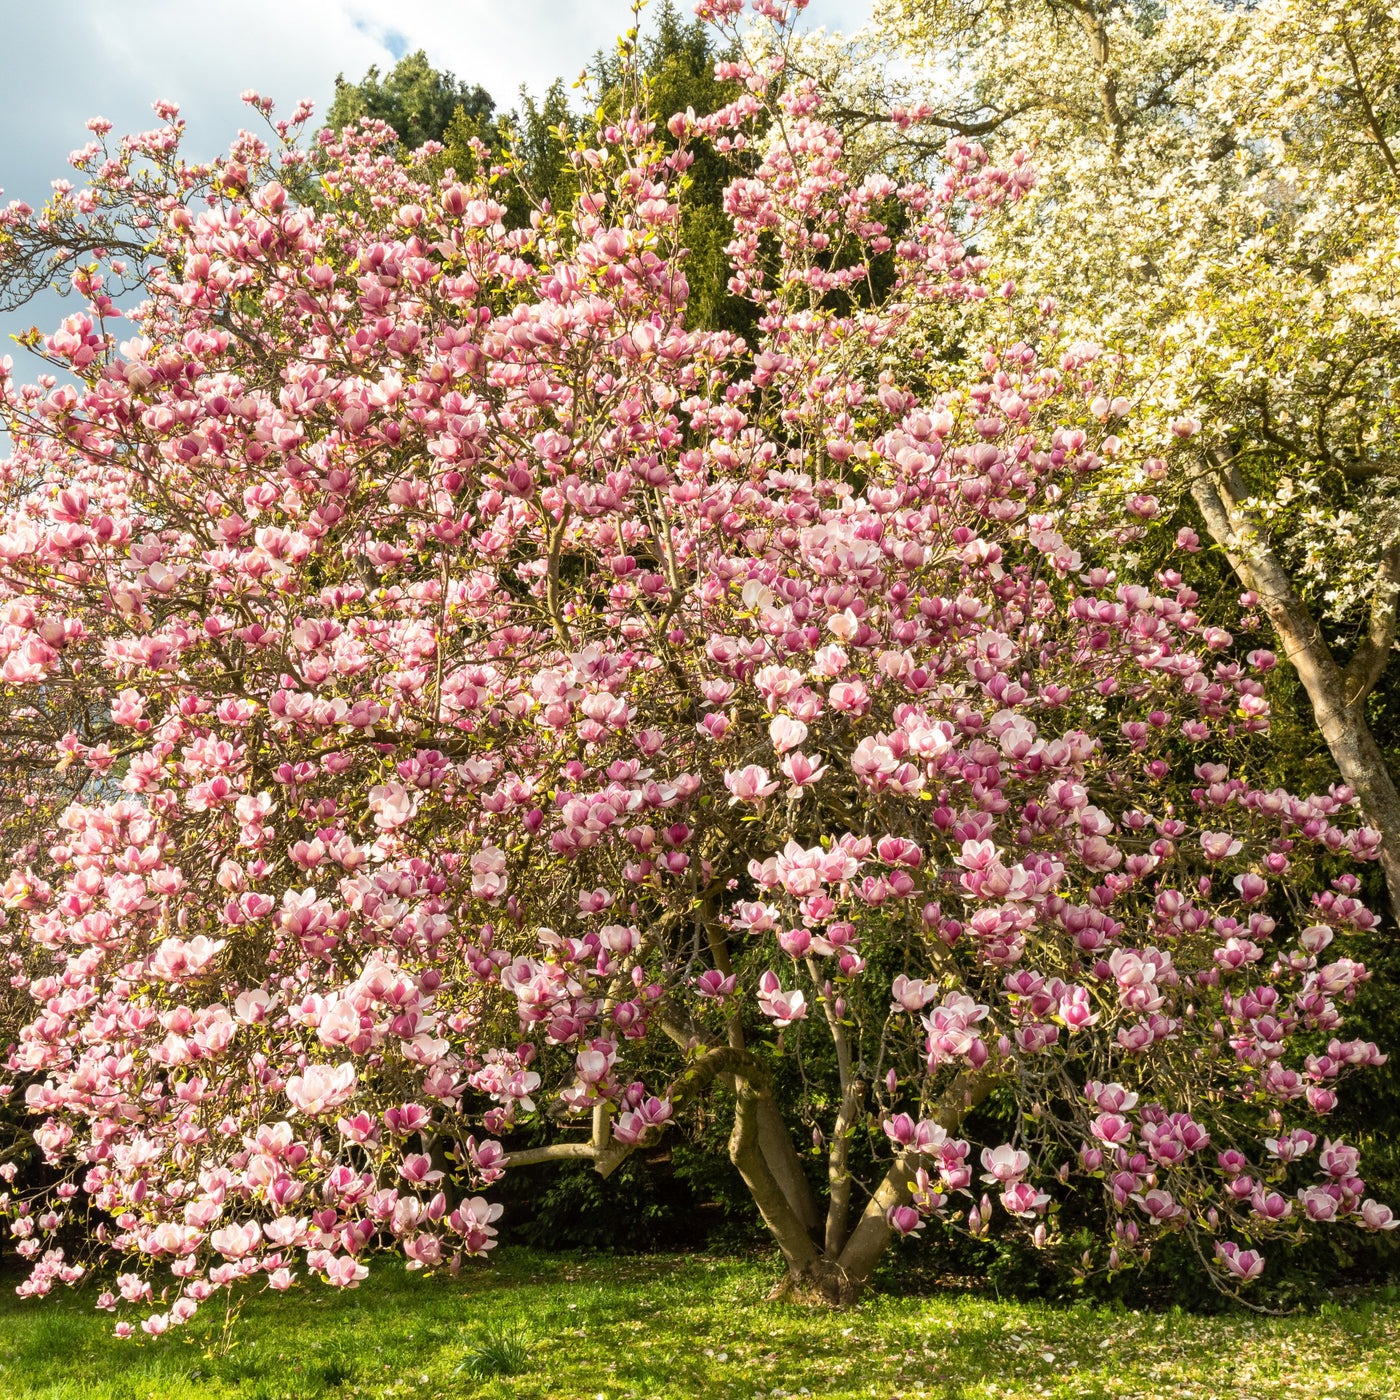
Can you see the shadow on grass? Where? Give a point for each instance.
(532, 1326)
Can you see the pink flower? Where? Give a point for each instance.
(1244, 1264)
(1375, 1216)
(1022, 1199)
(1005, 1163)
(1111, 1128)
(795, 942)
(843, 625)
(877, 765)
(899, 1129)
(488, 867)
(977, 855)
(417, 1167)
(1252, 887)
(750, 784)
(1338, 1159)
(175, 960)
(620, 938)
(911, 994)
(1160, 1205)
(392, 805)
(904, 1220)
(474, 1220)
(782, 1007)
(714, 984)
(286, 1232)
(170, 1238)
(235, 1241)
(340, 1025)
(1076, 1010)
(1291, 1145)
(344, 1271)
(1319, 1203)
(850, 697)
(1111, 1097)
(786, 733)
(1218, 845)
(321, 1087)
(801, 771)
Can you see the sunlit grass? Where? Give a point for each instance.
(531, 1325)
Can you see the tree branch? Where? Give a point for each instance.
(872, 1231)
(554, 1152)
(1221, 494)
(838, 1167)
(783, 1222)
(1368, 112)
(1365, 667)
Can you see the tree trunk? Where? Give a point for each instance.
(775, 1142)
(786, 1225)
(837, 1274)
(1338, 694)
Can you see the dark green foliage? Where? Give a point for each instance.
(668, 69)
(533, 141)
(416, 99)
(681, 1195)
(541, 135)
(676, 60)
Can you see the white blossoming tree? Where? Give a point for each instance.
(1216, 203)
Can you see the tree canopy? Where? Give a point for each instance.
(511, 714)
(416, 99)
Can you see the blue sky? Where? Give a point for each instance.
(67, 60)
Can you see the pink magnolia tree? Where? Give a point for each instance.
(506, 707)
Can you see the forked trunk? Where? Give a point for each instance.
(821, 1268)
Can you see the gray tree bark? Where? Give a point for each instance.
(1338, 693)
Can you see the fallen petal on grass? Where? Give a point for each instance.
(535, 1326)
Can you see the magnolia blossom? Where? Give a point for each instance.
(801, 771)
(1160, 1205)
(321, 1087)
(1243, 1264)
(911, 994)
(1375, 1216)
(1020, 1198)
(904, 1220)
(175, 959)
(343, 1271)
(750, 784)
(1005, 1164)
(782, 1007)
(713, 984)
(235, 1241)
(787, 733)
(392, 805)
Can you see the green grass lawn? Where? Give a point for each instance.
(537, 1325)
